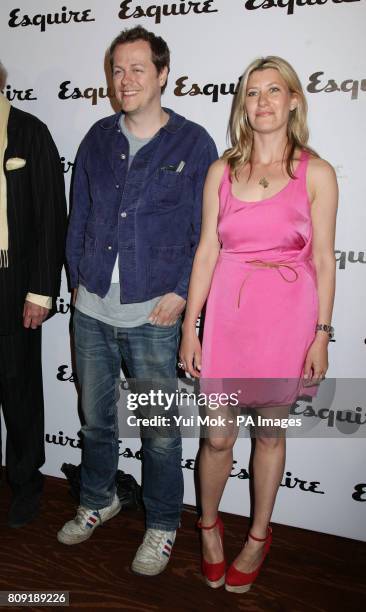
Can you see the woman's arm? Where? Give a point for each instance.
(202, 270)
(323, 193)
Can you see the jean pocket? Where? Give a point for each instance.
(173, 325)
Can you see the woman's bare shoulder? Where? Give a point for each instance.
(218, 166)
(321, 178)
(216, 171)
(319, 167)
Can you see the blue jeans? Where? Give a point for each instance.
(149, 352)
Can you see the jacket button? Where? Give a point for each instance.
(123, 214)
(109, 247)
(123, 156)
(117, 186)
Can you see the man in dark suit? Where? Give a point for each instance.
(32, 228)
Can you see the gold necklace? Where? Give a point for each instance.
(265, 182)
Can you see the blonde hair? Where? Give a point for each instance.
(3, 76)
(241, 133)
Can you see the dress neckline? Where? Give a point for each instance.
(275, 195)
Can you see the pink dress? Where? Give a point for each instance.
(262, 308)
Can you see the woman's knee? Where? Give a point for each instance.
(268, 442)
(220, 444)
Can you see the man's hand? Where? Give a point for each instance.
(167, 310)
(33, 315)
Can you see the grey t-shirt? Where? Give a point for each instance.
(109, 309)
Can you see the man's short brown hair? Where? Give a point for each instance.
(160, 53)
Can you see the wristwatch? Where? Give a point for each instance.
(325, 328)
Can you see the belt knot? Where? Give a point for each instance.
(276, 265)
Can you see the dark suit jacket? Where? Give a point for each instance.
(36, 210)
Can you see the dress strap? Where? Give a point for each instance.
(225, 177)
(300, 171)
(225, 185)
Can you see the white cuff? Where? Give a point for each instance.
(40, 300)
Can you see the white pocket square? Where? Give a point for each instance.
(14, 163)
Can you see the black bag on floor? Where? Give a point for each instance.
(128, 491)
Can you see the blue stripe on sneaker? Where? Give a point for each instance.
(165, 553)
(170, 542)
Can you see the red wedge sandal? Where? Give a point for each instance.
(214, 573)
(240, 582)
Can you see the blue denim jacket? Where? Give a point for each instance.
(150, 215)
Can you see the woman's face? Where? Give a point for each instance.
(268, 101)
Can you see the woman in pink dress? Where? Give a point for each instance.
(265, 264)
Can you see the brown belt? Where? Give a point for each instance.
(276, 265)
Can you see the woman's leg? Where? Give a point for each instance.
(268, 466)
(216, 462)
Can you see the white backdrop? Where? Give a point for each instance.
(56, 71)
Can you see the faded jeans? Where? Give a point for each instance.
(149, 352)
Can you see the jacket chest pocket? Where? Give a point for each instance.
(168, 188)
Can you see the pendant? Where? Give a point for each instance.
(264, 182)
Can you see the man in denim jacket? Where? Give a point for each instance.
(134, 227)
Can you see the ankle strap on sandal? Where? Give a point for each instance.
(269, 530)
(200, 526)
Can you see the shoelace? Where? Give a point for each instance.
(154, 539)
(82, 515)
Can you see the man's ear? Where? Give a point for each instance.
(163, 76)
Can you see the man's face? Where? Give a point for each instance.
(136, 81)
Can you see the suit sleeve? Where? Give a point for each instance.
(49, 209)
(208, 156)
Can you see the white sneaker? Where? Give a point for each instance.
(154, 553)
(86, 520)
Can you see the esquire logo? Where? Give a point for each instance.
(345, 257)
(18, 94)
(131, 9)
(66, 165)
(355, 417)
(42, 20)
(69, 92)
(61, 306)
(252, 5)
(319, 83)
(65, 374)
(61, 439)
(359, 493)
(289, 481)
(184, 87)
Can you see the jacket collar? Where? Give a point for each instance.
(174, 124)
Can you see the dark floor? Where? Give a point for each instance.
(305, 571)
